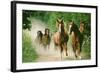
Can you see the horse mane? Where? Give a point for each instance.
(75, 29)
(62, 27)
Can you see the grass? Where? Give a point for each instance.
(86, 49)
(28, 52)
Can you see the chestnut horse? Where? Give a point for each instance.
(77, 38)
(61, 37)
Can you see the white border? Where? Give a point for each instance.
(21, 65)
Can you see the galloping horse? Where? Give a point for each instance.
(77, 38)
(46, 38)
(61, 37)
(39, 37)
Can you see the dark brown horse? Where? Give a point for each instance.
(77, 38)
(61, 37)
(39, 37)
(46, 38)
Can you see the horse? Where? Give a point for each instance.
(39, 37)
(77, 38)
(61, 37)
(46, 38)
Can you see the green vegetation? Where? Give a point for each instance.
(86, 49)
(28, 52)
(50, 17)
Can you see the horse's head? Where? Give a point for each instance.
(71, 26)
(39, 33)
(60, 25)
(81, 28)
(47, 31)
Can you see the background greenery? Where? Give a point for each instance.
(28, 50)
(50, 18)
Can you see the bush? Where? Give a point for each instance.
(28, 50)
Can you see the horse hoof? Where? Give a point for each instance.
(75, 56)
(66, 54)
(80, 57)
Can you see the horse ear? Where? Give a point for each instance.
(62, 21)
(57, 23)
(58, 20)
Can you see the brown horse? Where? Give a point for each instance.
(61, 37)
(39, 37)
(77, 38)
(46, 38)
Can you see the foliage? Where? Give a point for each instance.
(26, 22)
(86, 48)
(28, 52)
(50, 17)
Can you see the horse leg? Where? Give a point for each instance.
(44, 46)
(61, 50)
(55, 46)
(65, 47)
(48, 46)
(74, 49)
(79, 51)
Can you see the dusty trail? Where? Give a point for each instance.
(50, 54)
